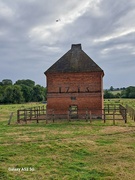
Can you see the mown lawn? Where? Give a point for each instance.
(66, 150)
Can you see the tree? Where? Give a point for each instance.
(26, 82)
(13, 94)
(131, 95)
(108, 94)
(37, 94)
(21, 91)
(27, 92)
(8, 95)
(17, 94)
(129, 92)
(118, 95)
(111, 88)
(7, 82)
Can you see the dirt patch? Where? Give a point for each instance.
(117, 129)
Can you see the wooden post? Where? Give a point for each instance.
(104, 116)
(25, 116)
(35, 111)
(90, 117)
(30, 113)
(11, 115)
(86, 115)
(37, 115)
(69, 115)
(39, 111)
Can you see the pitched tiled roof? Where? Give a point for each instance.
(75, 60)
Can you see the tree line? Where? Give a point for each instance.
(128, 92)
(21, 91)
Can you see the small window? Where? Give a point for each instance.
(73, 98)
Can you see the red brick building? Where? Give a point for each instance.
(75, 83)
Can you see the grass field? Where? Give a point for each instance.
(75, 150)
(116, 92)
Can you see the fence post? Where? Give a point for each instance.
(37, 114)
(90, 117)
(68, 113)
(30, 113)
(39, 110)
(25, 116)
(86, 115)
(34, 112)
(104, 116)
(11, 115)
(53, 116)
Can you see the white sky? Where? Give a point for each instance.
(31, 40)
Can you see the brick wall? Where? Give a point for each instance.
(74, 82)
(81, 89)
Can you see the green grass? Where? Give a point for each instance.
(130, 102)
(66, 150)
(116, 92)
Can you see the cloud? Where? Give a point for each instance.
(31, 39)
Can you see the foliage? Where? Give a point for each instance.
(111, 88)
(26, 82)
(6, 82)
(37, 94)
(12, 94)
(27, 92)
(128, 92)
(108, 94)
(21, 91)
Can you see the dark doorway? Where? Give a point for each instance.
(73, 111)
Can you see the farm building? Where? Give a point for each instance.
(74, 85)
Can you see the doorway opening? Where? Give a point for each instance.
(73, 111)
